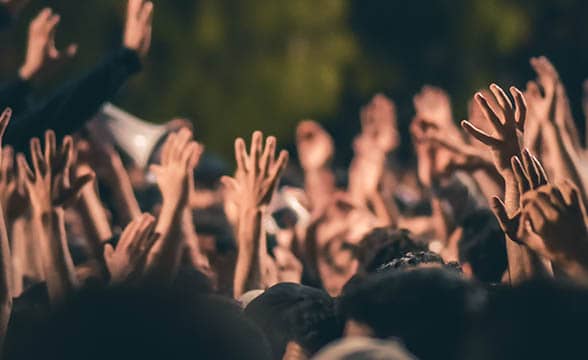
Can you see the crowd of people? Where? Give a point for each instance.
(478, 250)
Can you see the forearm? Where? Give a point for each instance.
(73, 104)
(523, 263)
(96, 223)
(319, 184)
(57, 262)
(5, 281)
(563, 159)
(386, 211)
(167, 252)
(248, 268)
(124, 197)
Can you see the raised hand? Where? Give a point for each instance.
(41, 50)
(315, 146)
(258, 171)
(378, 126)
(553, 225)
(529, 175)
(12, 190)
(138, 26)
(506, 121)
(433, 104)
(179, 156)
(52, 183)
(127, 261)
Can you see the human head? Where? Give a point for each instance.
(428, 309)
(383, 245)
(482, 246)
(416, 260)
(290, 312)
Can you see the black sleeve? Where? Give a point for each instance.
(15, 94)
(70, 106)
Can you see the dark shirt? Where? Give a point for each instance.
(15, 94)
(70, 106)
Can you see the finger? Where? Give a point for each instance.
(229, 183)
(188, 154)
(520, 108)
(128, 234)
(536, 216)
(37, 157)
(241, 155)
(166, 149)
(266, 158)
(499, 210)
(67, 151)
(502, 99)
(146, 233)
(50, 146)
(570, 193)
(4, 120)
(489, 114)
(278, 168)
(72, 193)
(479, 135)
(24, 168)
(52, 22)
(179, 148)
(557, 198)
(543, 200)
(134, 8)
(530, 170)
(255, 152)
(146, 13)
(519, 173)
(543, 179)
(108, 251)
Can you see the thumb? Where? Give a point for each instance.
(499, 210)
(108, 251)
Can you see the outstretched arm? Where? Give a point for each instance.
(76, 102)
(258, 173)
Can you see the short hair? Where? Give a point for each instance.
(124, 323)
(483, 246)
(383, 245)
(429, 309)
(538, 319)
(413, 260)
(293, 312)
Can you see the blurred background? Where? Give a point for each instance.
(233, 66)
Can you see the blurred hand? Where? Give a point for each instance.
(52, 183)
(433, 104)
(41, 51)
(258, 172)
(315, 146)
(179, 156)
(138, 26)
(127, 262)
(552, 224)
(378, 124)
(529, 175)
(506, 121)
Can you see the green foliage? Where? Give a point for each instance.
(238, 65)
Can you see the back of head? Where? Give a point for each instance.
(133, 324)
(364, 348)
(419, 259)
(429, 309)
(540, 319)
(382, 245)
(290, 312)
(482, 246)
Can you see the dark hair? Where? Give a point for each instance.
(213, 221)
(383, 245)
(540, 319)
(414, 260)
(125, 323)
(482, 245)
(429, 309)
(292, 312)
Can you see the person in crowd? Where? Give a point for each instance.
(479, 250)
